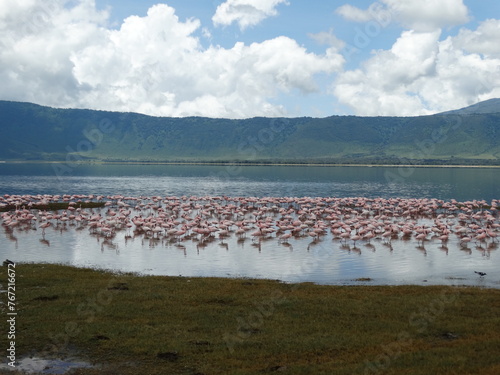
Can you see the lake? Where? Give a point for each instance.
(325, 261)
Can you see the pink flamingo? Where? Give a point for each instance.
(387, 235)
(481, 238)
(464, 241)
(345, 236)
(443, 238)
(284, 237)
(421, 238)
(44, 226)
(355, 238)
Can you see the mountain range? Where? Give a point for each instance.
(31, 132)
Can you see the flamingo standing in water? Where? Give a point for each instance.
(355, 238)
(444, 239)
(421, 238)
(387, 235)
(464, 241)
(481, 238)
(284, 237)
(45, 226)
(348, 218)
(180, 233)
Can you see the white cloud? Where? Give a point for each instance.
(418, 15)
(485, 40)
(245, 12)
(356, 14)
(381, 86)
(328, 38)
(421, 75)
(427, 15)
(63, 53)
(153, 64)
(36, 40)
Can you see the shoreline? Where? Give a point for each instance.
(250, 164)
(356, 282)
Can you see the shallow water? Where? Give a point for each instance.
(325, 261)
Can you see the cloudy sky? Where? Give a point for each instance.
(246, 58)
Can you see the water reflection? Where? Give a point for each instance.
(285, 239)
(442, 183)
(327, 261)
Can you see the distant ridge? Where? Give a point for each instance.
(487, 106)
(32, 132)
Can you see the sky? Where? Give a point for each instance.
(248, 58)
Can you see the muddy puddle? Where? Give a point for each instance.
(36, 365)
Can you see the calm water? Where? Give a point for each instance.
(442, 183)
(325, 262)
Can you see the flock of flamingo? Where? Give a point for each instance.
(349, 221)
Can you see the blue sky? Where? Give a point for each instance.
(245, 58)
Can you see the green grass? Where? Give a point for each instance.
(131, 324)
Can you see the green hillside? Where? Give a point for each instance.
(487, 106)
(33, 132)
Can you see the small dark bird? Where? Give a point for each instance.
(6, 262)
(480, 273)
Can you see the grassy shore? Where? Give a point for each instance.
(129, 324)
